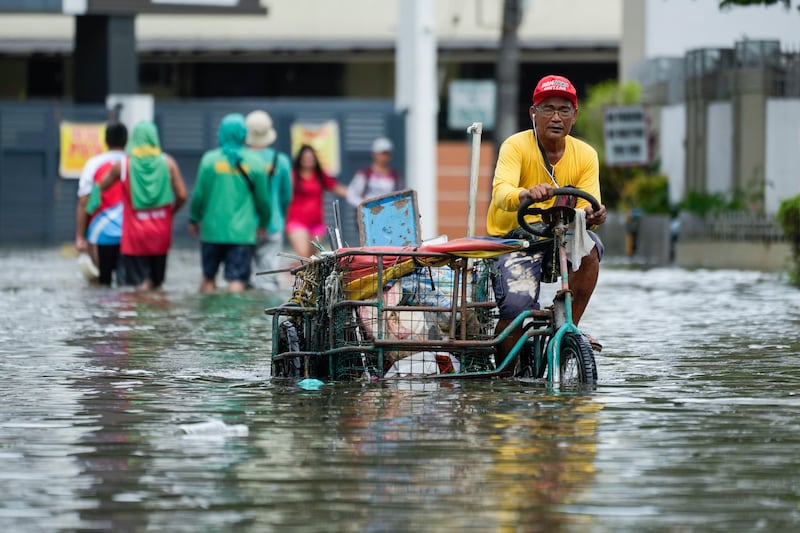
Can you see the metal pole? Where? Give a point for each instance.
(337, 223)
(476, 129)
(417, 95)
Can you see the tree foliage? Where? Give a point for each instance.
(788, 217)
(590, 127)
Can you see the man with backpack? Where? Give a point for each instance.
(378, 178)
(98, 225)
(230, 206)
(278, 167)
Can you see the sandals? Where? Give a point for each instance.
(594, 343)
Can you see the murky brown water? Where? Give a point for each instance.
(121, 412)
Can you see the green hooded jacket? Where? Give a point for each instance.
(280, 187)
(222, 203)
(149, 177)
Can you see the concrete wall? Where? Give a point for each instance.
(613, 234)
(672, 137)
(751, 88)
(782, 169)
(719, 145)
(765, 257)
(780, 147)
(653, 240)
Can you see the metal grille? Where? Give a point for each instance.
(733, 226)
(361, 312)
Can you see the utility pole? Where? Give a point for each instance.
(508, 72)
(417, 96)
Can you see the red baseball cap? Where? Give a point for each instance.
(553, 85)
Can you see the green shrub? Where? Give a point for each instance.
(703, 204)
(591, 118)
(788, 217)
(648, 192)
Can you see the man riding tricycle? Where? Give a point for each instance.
(468, 307)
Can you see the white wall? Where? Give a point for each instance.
(782, 168)
(782, 150)
(670, 28)
(675, 26)
(672, 135)
(719, 147)
(291, 24)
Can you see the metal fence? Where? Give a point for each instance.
(37, 207)
(714, 67)
(733, 226)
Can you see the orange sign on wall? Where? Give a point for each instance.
(79, 142)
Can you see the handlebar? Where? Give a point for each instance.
(525, 208)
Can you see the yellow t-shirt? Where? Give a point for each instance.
(520, 166)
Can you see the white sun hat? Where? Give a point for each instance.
(260, 131)
(382, 144)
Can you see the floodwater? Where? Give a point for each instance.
(121, 412)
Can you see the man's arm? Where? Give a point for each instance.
(335, 186)
(284, 177)
(178, 184)
(507, 190)
(85, 184)
(81, 223)
(112, 177)
(537, 193)
(355, 188)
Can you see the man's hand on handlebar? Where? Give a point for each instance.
(544, 191)
(595, 218)
(538, 193)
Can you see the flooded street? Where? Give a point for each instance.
(123, 412)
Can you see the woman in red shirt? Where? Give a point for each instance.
(305, 220)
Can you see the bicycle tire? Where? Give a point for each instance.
(288, 341)
(576, 359)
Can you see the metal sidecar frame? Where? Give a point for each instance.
(360, 313)
(411, 312)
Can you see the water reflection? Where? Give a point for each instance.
(114, 448)
(157, 426)
(443, 456)
(156, 412)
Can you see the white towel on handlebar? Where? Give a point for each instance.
(579, 243)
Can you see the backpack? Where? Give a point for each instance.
(368, 176)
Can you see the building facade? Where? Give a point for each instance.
(724, 98)
(61, 51)
(311, 48)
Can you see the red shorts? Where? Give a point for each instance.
(315, 230)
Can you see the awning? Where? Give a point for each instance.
(135, 7)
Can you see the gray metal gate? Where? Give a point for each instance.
(37, 207)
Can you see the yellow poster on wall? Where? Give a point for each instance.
(79, 142)
(324, 139)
